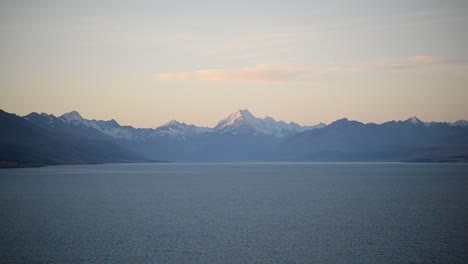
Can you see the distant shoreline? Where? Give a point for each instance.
(14, 165)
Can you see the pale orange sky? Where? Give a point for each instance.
(146, 62)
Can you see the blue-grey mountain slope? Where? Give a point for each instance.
(24, 143)
(239, 137)
(42, 139)
(410, 140)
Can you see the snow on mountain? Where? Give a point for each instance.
(414, 120)
(113, 129)
(50, 118)
(176, 128)
(72, 117)
(236, 119)
(239, 122)
(43, 118)
(461, 123)
(243, 122)
(110, 128)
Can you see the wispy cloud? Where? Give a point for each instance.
(257, 73)
(262, 73)
(394, 66)
(288, 72)
(427, 59)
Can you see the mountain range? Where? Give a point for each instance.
(43, 139)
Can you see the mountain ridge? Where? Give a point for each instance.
(241, 121)
(237, 122)
(411, 119)
(239, 137)
(28, 142)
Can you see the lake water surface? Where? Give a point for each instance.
(235, 213)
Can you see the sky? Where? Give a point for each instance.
(143, 63)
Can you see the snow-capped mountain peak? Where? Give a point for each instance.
(110, 128)
(72, 117)
(239, 122)
(243, 121)
(176, 128)
(236, 118)
(413, 120)
(172, 123)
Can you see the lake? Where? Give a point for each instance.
(235, 213)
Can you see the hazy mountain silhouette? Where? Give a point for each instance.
(43, 139)
(410, 140)
(23, 143)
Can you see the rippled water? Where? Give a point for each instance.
(235, 213)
